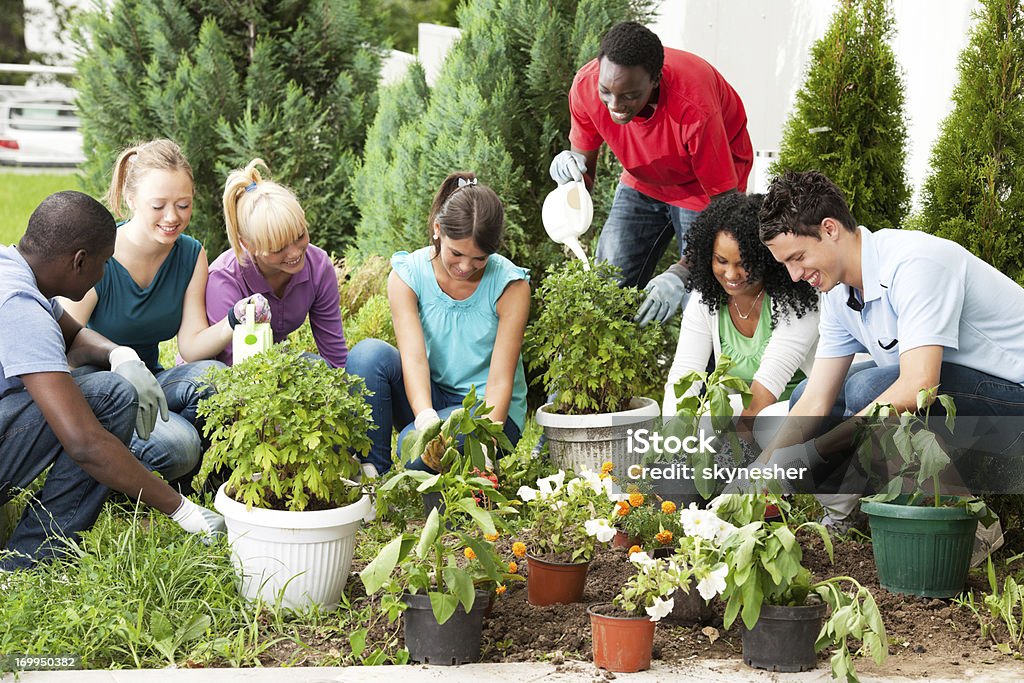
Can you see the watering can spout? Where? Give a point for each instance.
(577, 248)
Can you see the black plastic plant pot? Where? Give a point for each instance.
(456, 641)
(783, 638)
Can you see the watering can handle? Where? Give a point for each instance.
(250, 316)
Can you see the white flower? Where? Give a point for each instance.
(549, 485)
(642, 560)
(717, 501)
(702, 523)
(713, 582)
(600, 528)
(723, 531)
(660, 608)
(595, 482)
(527, 494)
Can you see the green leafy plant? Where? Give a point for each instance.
(288, 429)
(703, 400)
(373, 321)
(751, 563)
(454, 553)
(645, 592)
(566, 517)
(1005, 606)
(653, 522)
(594, 356)
(906, 438)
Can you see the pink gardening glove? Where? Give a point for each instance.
(237, 314)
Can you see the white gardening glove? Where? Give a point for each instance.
(196, 519)
(125, 362)
(425, 419)
(567, 166)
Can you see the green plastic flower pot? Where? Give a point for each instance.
(921, 550)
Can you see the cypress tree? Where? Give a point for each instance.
(499, 108)
(848, 121)
(975, 192)
(293, 83)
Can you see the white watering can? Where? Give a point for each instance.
(250, 337)
(566, 214)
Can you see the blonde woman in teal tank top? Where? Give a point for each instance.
(460, 312)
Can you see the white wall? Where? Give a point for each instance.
(761, 47)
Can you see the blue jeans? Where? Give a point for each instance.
(975, 393)
(174, 447)
(988, 411)
(637, 233)
(70, 500)
(380, 365)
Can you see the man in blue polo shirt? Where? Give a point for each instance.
(76, 426)
(926, 310)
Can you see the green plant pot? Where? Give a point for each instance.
(921, 550)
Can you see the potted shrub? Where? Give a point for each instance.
(756, 567)
(288, 429)
(922, 540)
(442, 578)
(597, 365)
(702, 404)
(565, 519)
(623, 631)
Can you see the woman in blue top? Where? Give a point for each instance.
(460, 311)
(153, 289)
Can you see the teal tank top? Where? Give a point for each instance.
(746, 352)
(142, 317)
(460, 335)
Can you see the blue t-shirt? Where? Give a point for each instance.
(922, 290)
(142, 317)
(30, 338)
(460, 335)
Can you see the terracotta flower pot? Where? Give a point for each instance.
(550, 583)
(622, 540)
(621, 644)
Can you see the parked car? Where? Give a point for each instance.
(39, 129)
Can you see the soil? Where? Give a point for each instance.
(928, 638)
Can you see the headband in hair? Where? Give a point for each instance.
(463, 182)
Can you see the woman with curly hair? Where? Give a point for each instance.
(748, 309)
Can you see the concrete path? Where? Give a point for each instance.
(704, 671)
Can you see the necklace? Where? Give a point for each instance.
(752, 306)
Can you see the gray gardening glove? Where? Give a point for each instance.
(196, 519)
(568, 166)
(665, 294)
(152, 401)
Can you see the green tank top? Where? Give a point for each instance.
(142, 317)
(746, 352)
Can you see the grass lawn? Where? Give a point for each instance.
(21, 192)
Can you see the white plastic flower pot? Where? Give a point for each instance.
(307, 555)
(579, 442)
